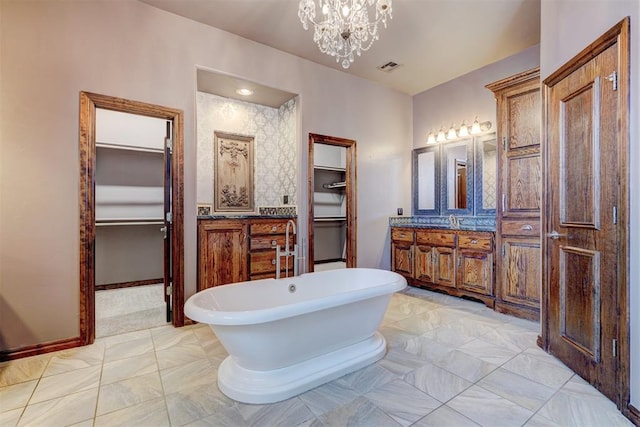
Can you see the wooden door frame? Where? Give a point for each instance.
(350, 191)
(88, 104)
(618, 34)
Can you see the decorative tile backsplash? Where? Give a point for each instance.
(466, 222)
(277, 210)
(275, 142)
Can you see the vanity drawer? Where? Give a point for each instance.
(402, 235)
(265, 262)
(521, 228)
(269, 228)
(257, 243)
(475, 242)
(436, 238)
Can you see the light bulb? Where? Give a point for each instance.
(431, 138)
(475, 128)
(464, 130)
(451, 134)
(440, 136)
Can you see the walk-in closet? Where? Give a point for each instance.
(131, 181)
(329, 206)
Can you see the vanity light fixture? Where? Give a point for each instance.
(431, 138)
(244, 91)
(441, 137)
(451, 134)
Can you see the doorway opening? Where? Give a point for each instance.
(131, 210)
(332, 203)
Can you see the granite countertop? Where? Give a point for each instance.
(466, 223)
(248, 216)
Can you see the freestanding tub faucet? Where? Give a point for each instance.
(288, 252)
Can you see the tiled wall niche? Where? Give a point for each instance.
(274, 130)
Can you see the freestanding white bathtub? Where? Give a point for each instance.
(290, 335)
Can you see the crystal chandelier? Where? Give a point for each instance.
(344, 28)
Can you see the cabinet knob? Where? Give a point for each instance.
(273, 262)
(273, 243)
(274, 228)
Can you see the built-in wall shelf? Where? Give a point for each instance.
(334, 185)
(329, 169)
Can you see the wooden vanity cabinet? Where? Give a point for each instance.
(402, 251)
(221, 252)
(519, 187)
(457, 262)
(237, 250)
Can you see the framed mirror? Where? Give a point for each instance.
(426, 180)
(457, 177)
(486, 198)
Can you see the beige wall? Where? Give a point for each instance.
(52, 50)
(567, 28)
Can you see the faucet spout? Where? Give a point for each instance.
(291, 224)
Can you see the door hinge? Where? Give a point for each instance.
(504, 143)
(615, 214)
(613, 78)
(615, 348)
(504, 250)
(169, 290)
(168, 217)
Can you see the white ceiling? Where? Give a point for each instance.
(434, 41)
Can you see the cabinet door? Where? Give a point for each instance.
(222, 257)
(445, 266)
(424, 267)
(475, 271)
(402, 258)
(520, 271)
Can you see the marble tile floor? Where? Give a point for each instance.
(450, 362)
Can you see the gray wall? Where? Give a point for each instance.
(52, 50)
(466, 97)
(567, 28)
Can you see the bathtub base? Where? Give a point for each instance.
(261, 387)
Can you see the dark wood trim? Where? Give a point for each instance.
(88, 104)
(633, 414)
(617, 34)
(43, 348)
(350, 190)
(514, 80)
(132, 284)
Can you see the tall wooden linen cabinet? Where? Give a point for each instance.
(518, 244)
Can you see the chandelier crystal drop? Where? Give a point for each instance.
(343, 27)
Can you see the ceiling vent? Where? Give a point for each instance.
(388, 67)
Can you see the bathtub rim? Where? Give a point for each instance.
(201, 314)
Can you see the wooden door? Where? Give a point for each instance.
(583, 243)
(223, 256)
(424, 266)
(445, 266)
(402, 258)
(475, 273)
(520, 275)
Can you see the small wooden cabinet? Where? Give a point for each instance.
(237, 250)
(458, 262)
(519, 187)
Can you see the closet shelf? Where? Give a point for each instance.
(128, 221)
(130, 148)
(329, 218)
(329, 169)
(333, 185)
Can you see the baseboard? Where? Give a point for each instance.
(633, 414)
(36, 349)
(129, 284)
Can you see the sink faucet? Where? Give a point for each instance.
(454, 221)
